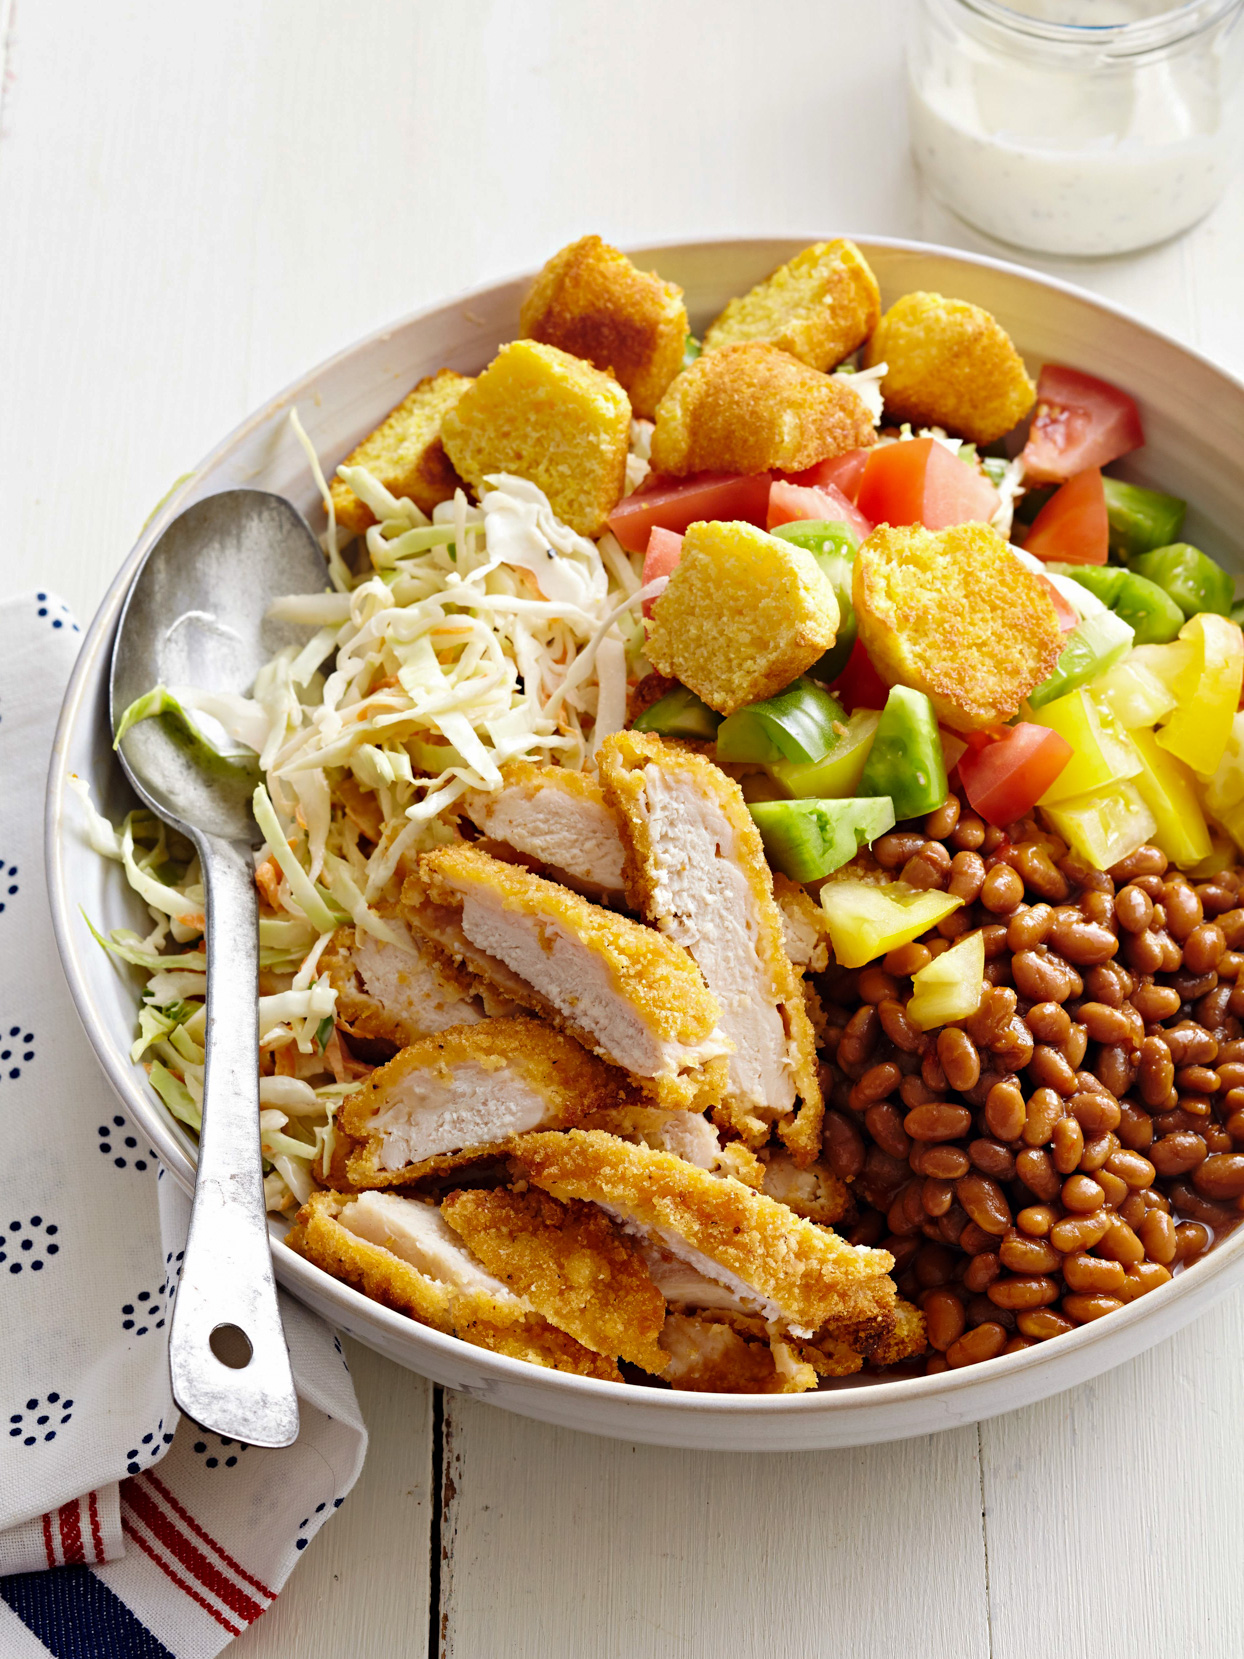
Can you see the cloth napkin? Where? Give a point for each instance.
(124, 1529)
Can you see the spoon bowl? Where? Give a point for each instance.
(195, 615)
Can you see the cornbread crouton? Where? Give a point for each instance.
(405, 452)
(744, 614)
(467, 1091)
(820, 306)
(398, 992)
(571, 1263)
(696, 871)
(548, 417)
(751, 407)
(591, 301)
(954, 613)
(401, 1253)
(950, 364)
(627, 993)
(557, 817)
(791, 1271)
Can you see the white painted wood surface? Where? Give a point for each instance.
(197, 202)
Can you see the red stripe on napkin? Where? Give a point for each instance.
(188, 1555)
(97, 1535)
(69, 1521)
(176, 1578)
(152, 1479)
(47, 1540)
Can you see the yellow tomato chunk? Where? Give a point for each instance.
(1105, 825)
(1100, 751)
(866, 921)
(1167, 788)
(1198, 730)
(949, 987)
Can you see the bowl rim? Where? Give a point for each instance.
(295, 1271)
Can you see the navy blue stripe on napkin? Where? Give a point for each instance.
(76, 1616)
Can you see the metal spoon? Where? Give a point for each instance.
(195, 615)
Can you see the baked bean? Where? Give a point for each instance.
(968, 833)
(1082, 1194)
(1221, 1176)
(1213, 1009)
(974, 1239)
(934, 1265)
(1191, 1044)
(1036, 1220)
(967, 876)
(959, 1059)
(1028, 1255)
(1203, 948)
(1230, 966)
(1145, 861)
(1183, 908)
(939, 1120)
(1044, 1109)
(914, 1091)
(1076, 1046)
(886, 1128)
(1114, 1187)
(1079, 1232)
(1215, 899)
(1098, 907)
(1135, 1130)
(1041, 978)
(1027, 928)
(883, 1175)
(906, 960)
(935, 1365)
(985, 1202)
(1017, 1344)
(1013, 1046)
(893, 850)
(997, 1006)
(984, 1342)
(1005, 1111)
(1033, 1291)
(1067, 1146)
(943, 1318)
(992, 1159)
(993, 839)
(1192, 1239)
(1232, 924)
(869, 1229)
(1177, 1153)
(1089, 1273)
(1111, 983)
(877, 1083)
(900, 1028)
(1002, 890)
(1197, 1080)
(1104, 1024)
(1049, 1068)
(1157, 1234)
(1143, 1277)
(899, 1217)
(875, 985)
(1134, 1209)
(993, 937)
(981, 1271)
(1230, 1073)
(1043, 1323)
(1040, 874)
(938, 824)
(1095, 1112)
(1143, 952)
(1120, 1244)
(1216, 1138)
(928, 868)
(1133, 908)
(1138, 1172)
(1036, 1170)
(1084, 1309)
(1116, 1069)
(859, 1038)
(1049, 1022)
(1081, 941)
(937, 1197)
(939, 1163)
(1157, 1071)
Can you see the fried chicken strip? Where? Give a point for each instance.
(397, 992)
(558, 817)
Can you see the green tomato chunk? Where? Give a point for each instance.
(1141, 519)
(680, 713)
(799, 724)
(1191, 578)
(906, 761)
(805, 840)
(833, 545)
(1147, 609)
(1093, 646)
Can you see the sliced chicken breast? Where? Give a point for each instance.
(696, 871)
(628, 994)
(466, 1092)
(805, 934)
(397, 992)
(557, 817)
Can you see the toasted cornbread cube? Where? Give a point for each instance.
(405, 452)
(744, 614)
(954, 613)
(541, 414)
(751, 407)
(820, 306)
(591, 301)
(950, 364)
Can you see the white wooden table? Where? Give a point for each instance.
(196, 202)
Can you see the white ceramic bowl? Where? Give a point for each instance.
(1191, 409)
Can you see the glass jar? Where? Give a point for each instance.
(1077, 126)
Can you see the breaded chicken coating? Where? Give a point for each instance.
(954, 613)
(907, 1339)
(628, 994)
(710, 1357)
(591, 301)
(696, 870)
(950, 364)
(744, 614)
(571, 1263)
(405, 452)
(811, 1190)
(795, 1272)
(543, 415)
(820, 306)
(804, 930)
(469, 1090)
(397, 992)
(685, 1134)
(558, 817)
(751, 408)
(402, 1254)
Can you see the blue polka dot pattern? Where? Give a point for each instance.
(145, 1311)
(218, 1453)
(17, 1049)
(29, 1245)
(125, 1149)
(49, 610)
(151, 1447)
(8, 884)
(40, 1420)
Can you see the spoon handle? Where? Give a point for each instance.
(227, 1355)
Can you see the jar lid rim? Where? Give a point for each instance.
(1178, 22)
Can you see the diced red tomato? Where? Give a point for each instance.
(1005, 779)
(1063, 610)
(1079, 422)
(1072, 528)
(842, 471)
(859, 685)
(921, 482)
(789, 502)
(674, 503)
(661, 558)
